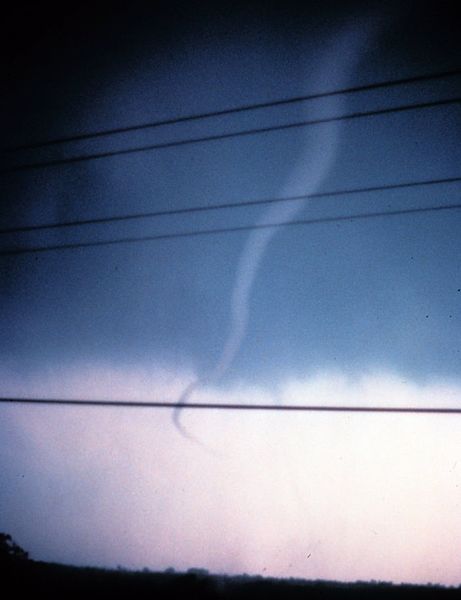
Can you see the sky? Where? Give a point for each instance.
(350, 312)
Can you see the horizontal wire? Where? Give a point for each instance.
(238, 109)
(224, 406)
(230, 205)
(224, 136)
(223, 230)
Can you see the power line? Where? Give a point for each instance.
(223, 230)
(229, 205)
(231, 135)
(238, 109)
(223, 406)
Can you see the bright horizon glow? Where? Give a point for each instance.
(320, 496)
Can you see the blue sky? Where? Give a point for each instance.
(334, 309)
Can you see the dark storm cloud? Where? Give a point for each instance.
(347, 295)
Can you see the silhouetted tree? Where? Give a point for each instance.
(9, 550)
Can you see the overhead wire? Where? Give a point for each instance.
(229, 205)
(224, 230)
(230, 135)
(238, 109)
(234, 406)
